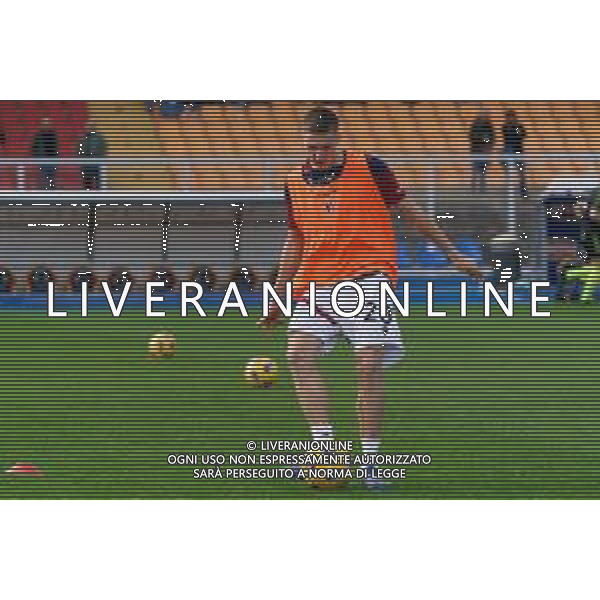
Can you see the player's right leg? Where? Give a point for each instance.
(309, 337)
(303, 352)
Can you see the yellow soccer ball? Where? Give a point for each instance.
(261, 373)
(326, 477)
(162, 345)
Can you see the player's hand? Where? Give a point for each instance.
(466, 265)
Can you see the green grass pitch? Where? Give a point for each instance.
(507, 408)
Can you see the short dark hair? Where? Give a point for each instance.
(321, 121)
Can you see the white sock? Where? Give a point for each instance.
(370, 446)
(322, 432)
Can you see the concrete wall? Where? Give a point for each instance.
(201, 234)
(130, 238)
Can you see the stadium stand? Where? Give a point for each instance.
(130, 131)
(259, 133)
(21, 121)
(386, 128)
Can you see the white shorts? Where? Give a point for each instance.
(368, 328)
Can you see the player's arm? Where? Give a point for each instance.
(415, 216)
(289, 263)
(397, 202)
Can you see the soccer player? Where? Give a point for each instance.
(340, 218)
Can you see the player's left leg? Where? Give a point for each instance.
(377, 343)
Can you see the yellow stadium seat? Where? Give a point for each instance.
(130, 132)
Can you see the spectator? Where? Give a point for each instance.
(482, 142)
(175, 108)
(92, 145)
(587, 272)
(171, 109)
(198, 105)
(45, 145)
(514, 133)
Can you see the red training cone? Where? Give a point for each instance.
(23, 469)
